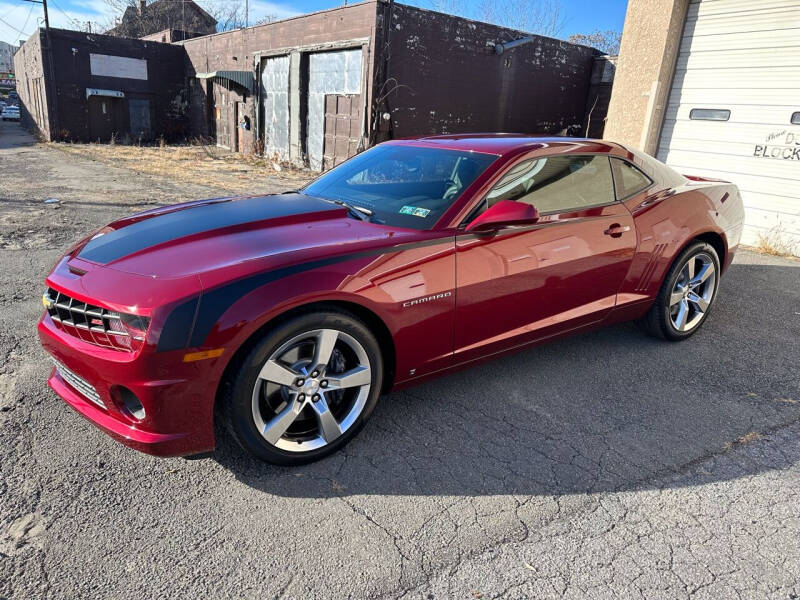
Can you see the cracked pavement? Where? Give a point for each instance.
(606, 465)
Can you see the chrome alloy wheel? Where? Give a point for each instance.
(311, 390)
(693, 292)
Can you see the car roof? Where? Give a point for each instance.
(492, 143)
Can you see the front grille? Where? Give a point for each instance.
(90, 323)
(83, 387)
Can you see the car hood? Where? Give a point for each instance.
(209, 235)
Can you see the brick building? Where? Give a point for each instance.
(324, 85)
(81, 86)
(315, 89)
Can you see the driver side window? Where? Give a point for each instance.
(555, 184)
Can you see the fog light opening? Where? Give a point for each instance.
(129, 404)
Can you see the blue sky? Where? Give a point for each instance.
(18, 19)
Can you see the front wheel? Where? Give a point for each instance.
(687, 294)
(305, 389)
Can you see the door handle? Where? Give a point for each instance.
(616, 230)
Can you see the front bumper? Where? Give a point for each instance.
(178, 397)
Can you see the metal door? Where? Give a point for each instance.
(103, 121)
(518, 285)
(139, 109)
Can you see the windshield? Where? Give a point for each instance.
(403, 186)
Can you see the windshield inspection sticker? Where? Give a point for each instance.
(413, 210)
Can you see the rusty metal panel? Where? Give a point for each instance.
(275, 92)
(336, 72)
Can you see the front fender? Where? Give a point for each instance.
(386, 285)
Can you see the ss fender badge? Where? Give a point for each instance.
(427, 299)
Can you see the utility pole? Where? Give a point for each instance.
(246, 13)
(44, 6)
(47, 52)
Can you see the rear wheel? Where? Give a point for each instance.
(687, 294)
(305, 389)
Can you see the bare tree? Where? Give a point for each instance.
(606, 41)
(229, 14)
(117, 9)
(542, 17)
(266, 19)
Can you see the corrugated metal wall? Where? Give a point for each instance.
(275, 84)
(742, 56)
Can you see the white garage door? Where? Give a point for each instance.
(734, 108)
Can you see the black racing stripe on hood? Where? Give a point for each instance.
(157, 230)
(215, 302)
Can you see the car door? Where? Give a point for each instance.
(520, 284)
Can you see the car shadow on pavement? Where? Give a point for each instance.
(608, 410)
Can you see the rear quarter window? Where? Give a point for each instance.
(628, 180)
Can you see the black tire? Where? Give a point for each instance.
(237, 401)
(658, 322)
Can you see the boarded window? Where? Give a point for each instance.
(105, 65)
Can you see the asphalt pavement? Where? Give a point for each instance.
(606, 465)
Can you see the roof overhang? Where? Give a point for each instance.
(107, 93)
(245, 79)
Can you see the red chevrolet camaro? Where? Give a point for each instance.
(288, 316)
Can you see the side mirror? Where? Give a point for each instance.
(503, 214)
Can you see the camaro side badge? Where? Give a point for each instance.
(426, 299)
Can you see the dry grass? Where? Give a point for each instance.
(773, 243)
(198, 164)
(747, 438)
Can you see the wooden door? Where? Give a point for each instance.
(343, 117)
(221, 114)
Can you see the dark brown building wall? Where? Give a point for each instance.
(164, 86)
(449, 80)
(599, 96)
(54, 74)
(236, 49)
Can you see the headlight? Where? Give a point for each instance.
(132, 329)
